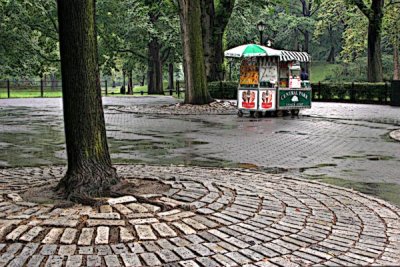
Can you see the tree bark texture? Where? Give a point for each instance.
(193, 55)
(154, 70)
(130, 82)
(90, 172)
(214, 21)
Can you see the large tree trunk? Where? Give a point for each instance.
(90, 172)
(374, 50)
(193, 55)
(207, 24)
(130, 82)
(154, 71)
(214, 21)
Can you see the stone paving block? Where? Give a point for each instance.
(68, 236)
(184, 228)
(151, 246)
(31, 234)
(184, 253)
(86, 250)
(207, 262)
(189, 263)
(61, 222)
(167, 256)
(102, 250)
(143, 221)
(93, 261)
(164, 230)
(102, 235)
(131, 260)
(200, 250)
(165, 244)
(95, 222)
(119, 248)
(151, 208)
(125, 235)
(195, 224)
(66, 250)
(112, 261)
(145, 232)
(251, 254)
(122, 209)
(86, 236)
(54, 261)
(53, 236)
(223, 260)
(48, 249)
(136, 248)
(121, 200)
(180, 242)
(215, 248)
(137, 207)
(105, 209)
(35, 261)
(106, 216)
(238, 258)
(74, 261)
(150, 259)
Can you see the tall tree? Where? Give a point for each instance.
(193, 55)
(90, 173)
(215, 18)
(374, 14)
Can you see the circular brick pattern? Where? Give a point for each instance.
(216, 217)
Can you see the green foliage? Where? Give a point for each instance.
(223, 90)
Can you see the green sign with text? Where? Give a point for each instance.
(294, 99)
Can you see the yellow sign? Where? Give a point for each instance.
(248, 74)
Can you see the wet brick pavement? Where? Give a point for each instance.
(218, 217)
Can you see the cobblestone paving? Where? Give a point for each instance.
(217, 217)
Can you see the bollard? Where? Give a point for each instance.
(170, 91)
(395, 94)
(141, 92)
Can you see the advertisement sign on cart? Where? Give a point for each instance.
(289, 99)
(248, 99)
(267, 99)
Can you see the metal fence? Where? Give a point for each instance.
(53, 88)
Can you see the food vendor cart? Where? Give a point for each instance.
(270, 80)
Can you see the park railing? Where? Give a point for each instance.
(352, 92)
(53, 88)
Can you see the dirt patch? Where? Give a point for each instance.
(45, 195)
(141, 187)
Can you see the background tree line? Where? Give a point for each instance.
(141, 39)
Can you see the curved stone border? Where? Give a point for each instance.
(215, 108)
(395, 135)
(217, 217)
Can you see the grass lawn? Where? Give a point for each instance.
(320, 70)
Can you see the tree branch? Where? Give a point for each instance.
(362, 7)
(133, 53)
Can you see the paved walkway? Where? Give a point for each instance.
(218, 217)
(235, 218)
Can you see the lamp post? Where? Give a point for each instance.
(261, 27)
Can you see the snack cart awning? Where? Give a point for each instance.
(293, 55)
(251, 50)
(254, 50)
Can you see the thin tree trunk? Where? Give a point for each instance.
(193, 55)
(396, 67)
(207, 24)
(170, 76)
(130, 82)
(90, 172)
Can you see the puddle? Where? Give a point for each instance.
(386, 191)
(368, 157)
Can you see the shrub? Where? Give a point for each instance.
(223, 90)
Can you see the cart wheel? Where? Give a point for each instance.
(257, 114)
(279, 113)
(252, 114)
(240, 113)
